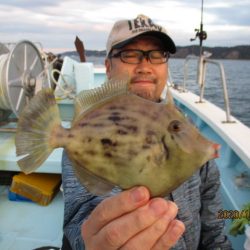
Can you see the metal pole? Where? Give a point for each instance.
(201, 28)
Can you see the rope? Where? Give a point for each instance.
(67, 90)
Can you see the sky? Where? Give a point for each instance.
(54, 24)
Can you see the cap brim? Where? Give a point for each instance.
(167, 42)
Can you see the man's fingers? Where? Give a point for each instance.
(114, 207)
(147, 238)
(174, 231)
(130, 220)
(123, 229)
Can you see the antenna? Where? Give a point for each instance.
(200, 33)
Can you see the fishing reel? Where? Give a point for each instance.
(201, 34)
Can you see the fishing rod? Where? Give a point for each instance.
(200, 33)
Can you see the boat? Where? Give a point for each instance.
(27, 225)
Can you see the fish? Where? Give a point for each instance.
(116, 138)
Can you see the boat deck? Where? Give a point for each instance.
(234, 160)
(27, 225)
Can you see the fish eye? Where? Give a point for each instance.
(174, 126)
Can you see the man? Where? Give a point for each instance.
(130, 219)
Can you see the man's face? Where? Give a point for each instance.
(147, 80)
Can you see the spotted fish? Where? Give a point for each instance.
(116, 139)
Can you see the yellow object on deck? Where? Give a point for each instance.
(38, 187)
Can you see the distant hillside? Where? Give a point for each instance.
(237, 52)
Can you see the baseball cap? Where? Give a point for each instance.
(124, 31)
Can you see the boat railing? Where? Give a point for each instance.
(201, 77)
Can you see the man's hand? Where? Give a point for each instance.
(132, 221)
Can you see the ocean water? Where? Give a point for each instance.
(237, 73)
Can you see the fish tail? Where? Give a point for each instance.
(34, 128)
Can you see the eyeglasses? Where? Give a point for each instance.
(134, 56)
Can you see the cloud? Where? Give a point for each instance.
(27, 4)
(236, 16)
(56, 23)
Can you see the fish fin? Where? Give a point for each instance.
(94, 184)
(34, 126)
(91, 98)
